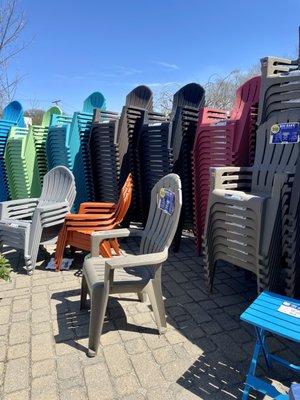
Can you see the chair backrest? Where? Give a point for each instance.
(140, 97)
(58, 185)
(14, 112)
(124, 200)
(163, 217)
(272, 157)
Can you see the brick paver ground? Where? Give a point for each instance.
(204, 354)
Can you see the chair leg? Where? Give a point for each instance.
(142, 297)
(84, 292)
(154, 292)
(99, 299)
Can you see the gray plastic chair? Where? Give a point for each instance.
(133, 273)
(27, 223)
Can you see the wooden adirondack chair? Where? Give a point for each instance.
(134, 273)
(94, 216)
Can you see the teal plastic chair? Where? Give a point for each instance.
(67, 145)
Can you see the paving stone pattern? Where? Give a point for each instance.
(204, 354)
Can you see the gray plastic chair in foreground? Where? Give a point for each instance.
(139, 274)
(27, 223)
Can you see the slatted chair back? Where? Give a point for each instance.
(165, 208)
(272, 158)
(58, 186)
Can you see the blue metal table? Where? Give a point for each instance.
(263, 314)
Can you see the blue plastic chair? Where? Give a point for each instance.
(13, 115)
(263, 314)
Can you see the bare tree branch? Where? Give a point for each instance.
(12, 23)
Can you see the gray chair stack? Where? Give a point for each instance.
(133, 273)
(248, 206)
(27, 223)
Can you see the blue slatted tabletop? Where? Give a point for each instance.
(263, 313)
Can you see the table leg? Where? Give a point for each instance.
(252, 369)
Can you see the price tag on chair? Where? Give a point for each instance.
(166, 201)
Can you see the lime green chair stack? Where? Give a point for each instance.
(40, 134)
(21, 164)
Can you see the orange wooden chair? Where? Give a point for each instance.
(94, 216)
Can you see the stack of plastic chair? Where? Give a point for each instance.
(40, 133)
(104, 156)
(12, 116)
(56, 139)
(94, 216)
(223, 142)
(186, 104)
(155, 159)
(68, 141)
(27, 223)
(139, 102)
(247, 206)
(21, 164)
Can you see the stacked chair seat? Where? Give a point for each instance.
(27, 223)
(247, 206)
(128, 273)
(12, 116)
(70, 147)
(223, 142)
(104, 156)
(93, 216)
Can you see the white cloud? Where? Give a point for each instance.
(161, 84)
(167, 65)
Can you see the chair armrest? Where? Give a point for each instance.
(53, 207)
(230, 177)
(93, 207)
(134, 261)
(88, 217)
(18, 209)
(99, 236)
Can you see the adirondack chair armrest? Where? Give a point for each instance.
(17, 209)
(229, 177)
(93, 207)
(99, 236)
(134, 261)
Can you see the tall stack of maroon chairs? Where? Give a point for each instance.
(221, 141)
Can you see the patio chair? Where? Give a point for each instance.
(27, 223)
(93, 216)
(133, 273)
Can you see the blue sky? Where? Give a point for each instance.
(77, 47)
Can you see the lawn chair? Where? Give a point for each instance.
(133, 273)
(93, 216)
(27, 223)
